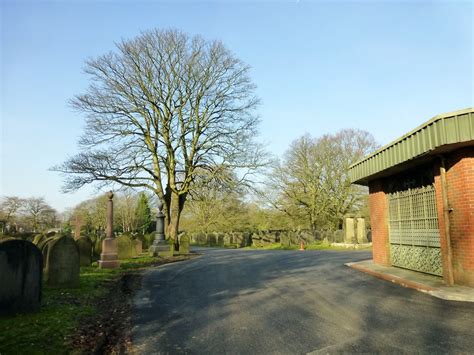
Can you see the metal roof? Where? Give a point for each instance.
(440, 134)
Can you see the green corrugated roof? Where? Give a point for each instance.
(449, 129)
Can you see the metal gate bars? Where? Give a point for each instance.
(414, 231)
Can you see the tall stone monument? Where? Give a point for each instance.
(109, 257)
(160, 247)
(361, 231)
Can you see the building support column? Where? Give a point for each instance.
(447, 228)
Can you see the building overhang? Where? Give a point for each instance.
(440, 135)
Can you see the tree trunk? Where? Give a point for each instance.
(175, 209)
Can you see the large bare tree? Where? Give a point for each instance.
(38, 214)
(312, 182)
(161, 108)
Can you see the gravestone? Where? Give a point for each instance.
(227, 240)
(138, 246)
(247, 239)
(285, 240)
(84, 245)
(349, 231)
(184, 244)
(361, 231)
(98, 247)
(211, 239)
(21, 267)
(62, 263)
(38, 238)
(201, 239)
(43, 246)
(339, 236)
(124, 247)
(220, 240)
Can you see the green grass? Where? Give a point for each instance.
(46, 331)
(312, 246)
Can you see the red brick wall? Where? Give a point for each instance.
(379, 223)
(460, 186)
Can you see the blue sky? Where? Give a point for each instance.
(320, 66)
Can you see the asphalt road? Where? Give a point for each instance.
(290, 302)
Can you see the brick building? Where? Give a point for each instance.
(422, 198)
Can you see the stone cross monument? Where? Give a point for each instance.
(160, 247)
(108, 257)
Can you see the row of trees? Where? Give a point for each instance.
(176, 116)
(132, 214)
(308, 189)
(30, 214)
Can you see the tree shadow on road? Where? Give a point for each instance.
(291, 302)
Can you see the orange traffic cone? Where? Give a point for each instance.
(302, 245)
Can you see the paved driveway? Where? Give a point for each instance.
(290, 302)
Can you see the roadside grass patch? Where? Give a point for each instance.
(312, 246)
(49, 330)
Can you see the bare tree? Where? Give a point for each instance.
(159, 108)
(312, 182)
(125, 210)
(216, 203)
(38, 214)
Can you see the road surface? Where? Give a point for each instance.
(290, 302)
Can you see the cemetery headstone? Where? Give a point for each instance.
(38, 238)
(184, 244)
(21, 267)
(285, 240)
(62, 263)
(138, 245)
(220, 240)
(124, 247)
(212, 240)
(84, 245)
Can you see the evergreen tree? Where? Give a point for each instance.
(143, 213)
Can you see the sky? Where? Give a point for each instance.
(320, 66)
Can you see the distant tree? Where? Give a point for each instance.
(9, 210)
(161, 108)
(38, 214)
(125, 210)
(92, 213)
(312, 181)
(143, 214)
(216, 203)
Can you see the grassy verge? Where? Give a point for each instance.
(312, 246)
(49, 330)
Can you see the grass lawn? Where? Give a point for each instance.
(47, 331)
(312, 246)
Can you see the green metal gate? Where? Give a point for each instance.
(413, 230)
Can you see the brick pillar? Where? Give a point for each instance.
(460, 186)
(379, 221)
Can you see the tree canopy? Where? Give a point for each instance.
(312, 183)
(160, 109)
